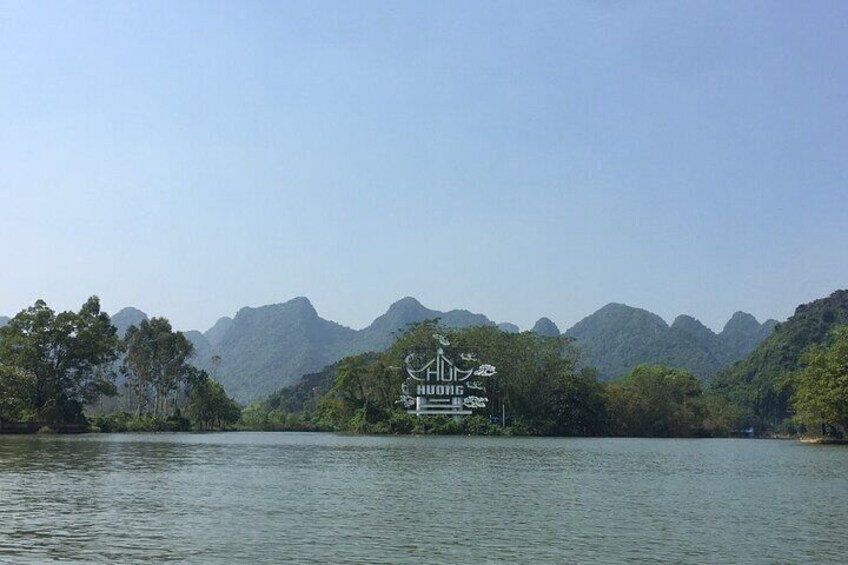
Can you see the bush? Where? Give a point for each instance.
(118, 422)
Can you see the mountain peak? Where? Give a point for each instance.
(216, 333)
(741, 322)
(405, 311)
(509, 328)
(301, 304)
(545, 327)
(690, 325)
(406, 304)
(129, 311)
(126, 317)
(617, 313)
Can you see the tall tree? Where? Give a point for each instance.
(208, 403)
(821, 387)
(157, 363)
(62, 361)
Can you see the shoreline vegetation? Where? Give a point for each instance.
(71, 372)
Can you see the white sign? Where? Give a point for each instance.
(437, 385)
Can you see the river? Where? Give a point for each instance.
(332, 499)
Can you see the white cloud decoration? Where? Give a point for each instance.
(475, 402)
(485, 370)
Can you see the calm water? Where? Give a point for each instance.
(321, 498)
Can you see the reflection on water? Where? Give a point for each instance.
(321, 498)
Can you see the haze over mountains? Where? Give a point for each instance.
(262, 349)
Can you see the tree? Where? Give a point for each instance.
(157, 363)
(656, 401)
(58, 362)
(821, 387)
(538, 383)
(16, 388)
(208, 404)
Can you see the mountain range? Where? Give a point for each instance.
(262, 349)
(617, 338)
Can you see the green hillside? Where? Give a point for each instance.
(617, 338)
(759, 381)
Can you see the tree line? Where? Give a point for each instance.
(55, 365)
(540, 387)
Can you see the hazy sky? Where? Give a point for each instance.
(520, 159)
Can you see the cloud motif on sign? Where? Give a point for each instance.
(441, 339)
(475, 402)
(406, 400)
(485, 371)
(468, 357)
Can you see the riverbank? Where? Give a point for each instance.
(824, 440)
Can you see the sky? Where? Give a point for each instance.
(519, 159)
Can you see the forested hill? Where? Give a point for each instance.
(758, 382)
(617, 338)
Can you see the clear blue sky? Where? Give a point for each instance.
(520, 159)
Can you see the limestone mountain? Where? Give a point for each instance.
(271, 346)
(508, 328)
(216, 333)
(742, 333)
(545, 327)
(381, 333)
(127, 317)
(4, 320)
(617, 338)
(203, 350)
(263, 349)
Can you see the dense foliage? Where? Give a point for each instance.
(157, 365)
(762, 382)
(821, 387)
(167, 391)
(658, 401)
(208, 404)
(539, 386)
(52, 364)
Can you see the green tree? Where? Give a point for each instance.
(157, 363)
(16, 388)
(656, 401)
(58, 362)
(538, 383)
(208, 404)
(821, 387)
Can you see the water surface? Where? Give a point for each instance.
(323, 498)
